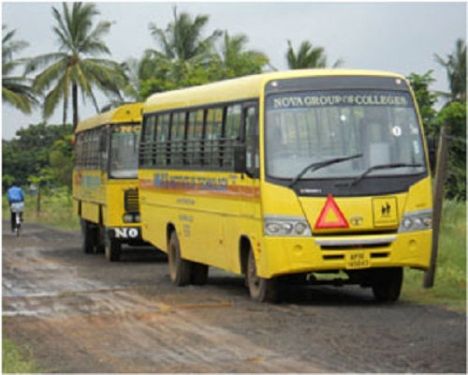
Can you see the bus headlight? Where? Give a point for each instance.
(418, 220)
(286, 226)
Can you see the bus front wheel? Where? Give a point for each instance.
(113, 249)
(260, 289)
(179, 269)
(386, 284)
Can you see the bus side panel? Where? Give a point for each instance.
(89, 189)
(90, 212)
(154, 225)
(209, 220)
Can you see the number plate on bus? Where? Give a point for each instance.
(357, 259)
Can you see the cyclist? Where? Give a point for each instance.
(16, 201)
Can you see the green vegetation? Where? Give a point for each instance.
(56, 209)
(40, 154)
(452, 115)
(77, 66)
(16, 90)
(15, 360)
(308, 57)
(450, 281)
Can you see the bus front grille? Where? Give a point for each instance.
(131, 201)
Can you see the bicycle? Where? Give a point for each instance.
(16, 210)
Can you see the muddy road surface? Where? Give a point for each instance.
(80, 313)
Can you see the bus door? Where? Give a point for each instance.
(251, 179)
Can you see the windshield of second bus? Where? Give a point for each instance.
(381, 127)
(124, 151)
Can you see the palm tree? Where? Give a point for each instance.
(182, 44)
(77, 65)
(236, 61)
(183, 40)
(308, 57)
(16, 90)
(455, 66)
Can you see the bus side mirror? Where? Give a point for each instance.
(239, 159)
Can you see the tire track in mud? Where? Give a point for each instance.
(94, 327)
(79, 313)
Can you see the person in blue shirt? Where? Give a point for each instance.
(16, 200)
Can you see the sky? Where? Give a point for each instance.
(398, 37)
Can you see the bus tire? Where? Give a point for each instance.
(100, 240)
(386, 284)
(87, 235)
(260, 289)
(199, 274)
(113, 248)
(179, 269)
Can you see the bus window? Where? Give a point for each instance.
(214, 125)
(162, 135)
(231, 133)
(251, 141)
(124, 151)
(194, 137)
(177, 137)
(103, 153)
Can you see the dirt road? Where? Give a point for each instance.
(80, 313)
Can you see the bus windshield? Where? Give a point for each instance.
(303, 128)
(124, 151)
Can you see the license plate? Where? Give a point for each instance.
(357, 259)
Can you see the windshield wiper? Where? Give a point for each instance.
(321, 164)
(382, 166)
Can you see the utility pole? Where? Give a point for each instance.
(438, 198)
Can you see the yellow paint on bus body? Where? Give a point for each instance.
(97, 197)
(213, 211)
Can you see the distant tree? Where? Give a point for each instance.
(29, 152)
(183, 40)
(455, 66)
(308, 56)
(453, 115)
(16, 90)
(235, 60)
(77, 65)
(183, 56)
(425, 98)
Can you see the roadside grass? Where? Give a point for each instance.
(16, 360)
(56, 209)
(450, 279)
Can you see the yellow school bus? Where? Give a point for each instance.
(105, 185)
(289, 176)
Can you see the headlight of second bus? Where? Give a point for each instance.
(414, 221)
(286, 226)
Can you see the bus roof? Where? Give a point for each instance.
(248, 87)
(127, 113)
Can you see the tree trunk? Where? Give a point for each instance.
(75, 104)
(65, 108)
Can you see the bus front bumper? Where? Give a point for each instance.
(290, 255)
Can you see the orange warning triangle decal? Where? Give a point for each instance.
(331, 216)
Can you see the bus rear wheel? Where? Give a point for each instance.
(386, 284)
(260, 289)
(179, 269)
(87, 235)
(113, 248)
